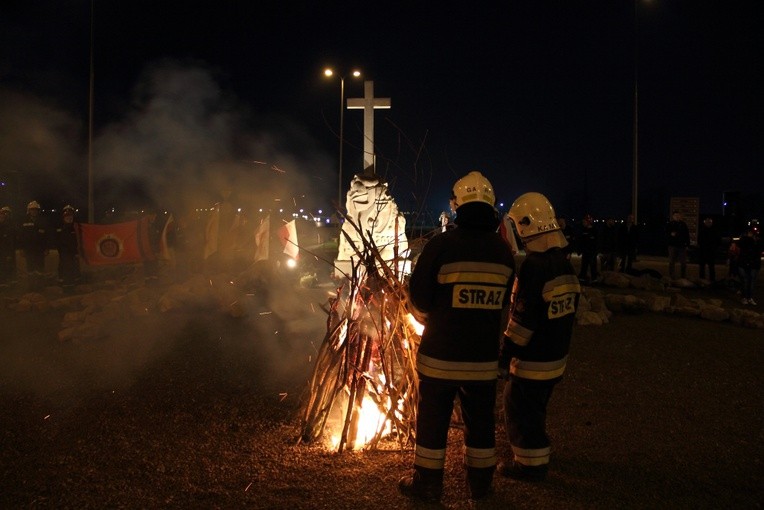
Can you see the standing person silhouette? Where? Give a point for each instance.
(677, 239)
(461, 282)
(709, 242)
(535, 347)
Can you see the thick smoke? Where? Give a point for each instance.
(186, 143)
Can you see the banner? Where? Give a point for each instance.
(117, 243)
(288, 237)
(262, 239)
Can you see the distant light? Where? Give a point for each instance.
(328, 72)
(238, 210)
(291, 263)
(327, 220)
(320, 211)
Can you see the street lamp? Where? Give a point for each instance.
(328, 72)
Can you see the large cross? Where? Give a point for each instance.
(368, 103)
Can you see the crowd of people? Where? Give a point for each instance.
(611, 246)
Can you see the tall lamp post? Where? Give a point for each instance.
(635, 126)
(330, 72)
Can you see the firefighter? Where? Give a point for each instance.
(33, 240)
(461, 283)
(7, 248)
(68, 255)
(535, 345)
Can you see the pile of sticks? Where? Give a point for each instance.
(368, 352)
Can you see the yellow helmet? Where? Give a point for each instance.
(532, 215)
(473, 187)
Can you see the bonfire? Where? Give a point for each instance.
(364, 383)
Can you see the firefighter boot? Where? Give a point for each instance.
(424, 484)
(480, 482)
(517, 471)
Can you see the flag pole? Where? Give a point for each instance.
(91, 212)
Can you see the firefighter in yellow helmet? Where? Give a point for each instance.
(535, 345)
(461, 282)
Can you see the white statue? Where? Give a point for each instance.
(371, 207)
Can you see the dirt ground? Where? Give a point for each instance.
(199, 410)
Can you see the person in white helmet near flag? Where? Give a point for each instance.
(34, 242)
(535, 347)
(65, 236)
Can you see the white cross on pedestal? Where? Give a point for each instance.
(368, 103)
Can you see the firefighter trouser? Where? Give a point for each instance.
(525, 403)
(35, 261)
(436, 403)
(68, 269)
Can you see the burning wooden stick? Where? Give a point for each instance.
(366, 361)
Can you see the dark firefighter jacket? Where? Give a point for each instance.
(33, 235)
(462, 281)
(66, 239)
(542, 313)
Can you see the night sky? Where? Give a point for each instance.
(539, 96)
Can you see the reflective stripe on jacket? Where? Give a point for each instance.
(461, 281)
(543, 310)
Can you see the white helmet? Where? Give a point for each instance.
(33, 205)
(473, 187)
(533, 217)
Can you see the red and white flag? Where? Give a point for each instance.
(117, 243)
(288, 238)
(262, 239)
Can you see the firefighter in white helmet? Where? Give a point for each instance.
(69, 272)
(461, 282)
(536, 342)
(34, 243)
